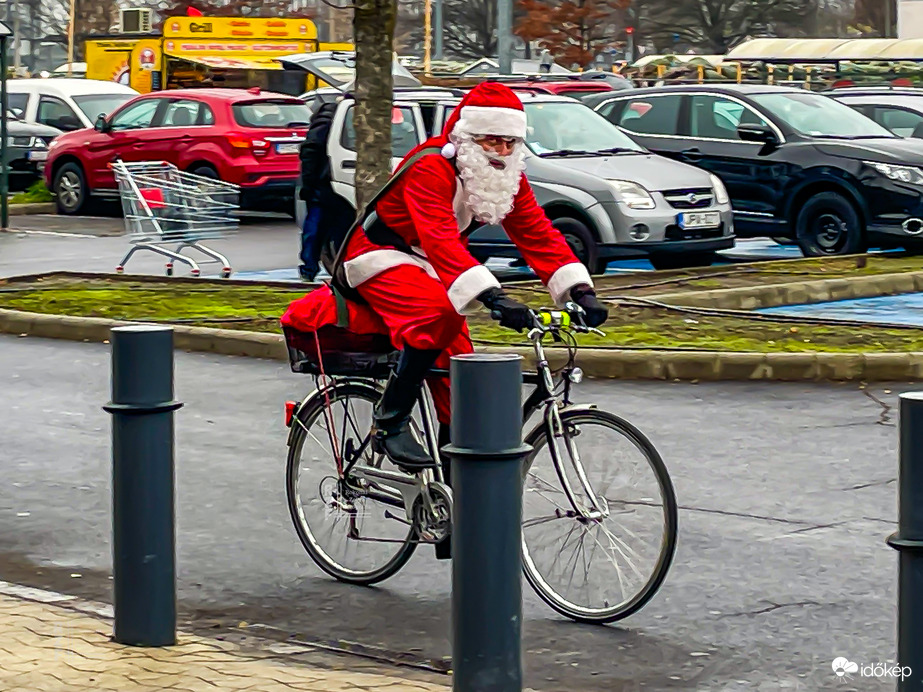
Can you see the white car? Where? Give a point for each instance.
(66, 104)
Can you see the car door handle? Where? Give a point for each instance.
(693, 154)
(349, 164)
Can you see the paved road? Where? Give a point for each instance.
(787, 494)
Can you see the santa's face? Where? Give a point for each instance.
(491, 169)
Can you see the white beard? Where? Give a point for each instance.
(488, 192)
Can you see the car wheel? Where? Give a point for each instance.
(205, 172)
(829, 225)
(681, 260)
(70, 189)
(581, 243)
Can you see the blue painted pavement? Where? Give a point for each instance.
(903, 309)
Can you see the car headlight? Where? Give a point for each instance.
(902, 174)
(38, 143)
(721, 193)
(633, 195)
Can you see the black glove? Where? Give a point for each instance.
(510, 313)
(585, 297)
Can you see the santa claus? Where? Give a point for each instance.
(423, 289)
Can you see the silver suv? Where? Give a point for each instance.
(609, 196)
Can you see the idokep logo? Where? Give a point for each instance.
(846, 669)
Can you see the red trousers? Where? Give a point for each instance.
(416, 309)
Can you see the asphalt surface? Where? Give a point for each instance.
(787, 494)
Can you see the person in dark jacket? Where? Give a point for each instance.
(328, 215)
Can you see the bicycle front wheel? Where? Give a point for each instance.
(599, 552)
(343, 524)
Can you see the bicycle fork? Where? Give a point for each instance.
(598, 509)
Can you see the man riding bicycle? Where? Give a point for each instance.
(423, 290)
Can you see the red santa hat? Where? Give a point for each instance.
(488, 109)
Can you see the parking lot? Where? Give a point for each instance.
(264, 248)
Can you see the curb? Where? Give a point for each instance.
(32, 208)
(796, 293)
(595, 362)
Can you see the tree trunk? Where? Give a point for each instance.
(373, 28)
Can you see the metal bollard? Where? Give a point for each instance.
(487, 454)
(143, 538)
(908, 541)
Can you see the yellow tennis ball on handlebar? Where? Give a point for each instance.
(545, 318)
(565, 319)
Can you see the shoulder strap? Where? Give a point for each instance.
(370, 207)
(342, 308)
(426, 151)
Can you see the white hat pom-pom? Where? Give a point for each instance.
(448, 150)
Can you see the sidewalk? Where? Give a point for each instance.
(62, 647)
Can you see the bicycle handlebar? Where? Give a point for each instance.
(551, 320)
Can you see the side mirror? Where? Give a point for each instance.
(101, 124)
(761, 134)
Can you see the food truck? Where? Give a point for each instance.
(208, 52)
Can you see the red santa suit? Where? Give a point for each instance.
(423, 298)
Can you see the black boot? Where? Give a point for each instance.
(444, 547)
(393, 436)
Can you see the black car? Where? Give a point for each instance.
(798, 165)
(898, 109)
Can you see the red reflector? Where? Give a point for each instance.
(290, 407)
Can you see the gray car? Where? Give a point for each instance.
(607, 195)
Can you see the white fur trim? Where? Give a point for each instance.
(448, 150)
(370, 264)
(485, 120)
(468, 286)
(565, 278)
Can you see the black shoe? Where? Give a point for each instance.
(401, 447)
(392, 435)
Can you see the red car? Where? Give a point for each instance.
(246, 137)
(565, 87)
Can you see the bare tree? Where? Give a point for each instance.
(716, 25)
(470, 27)
(92, 17)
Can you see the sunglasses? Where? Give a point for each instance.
(496, 140)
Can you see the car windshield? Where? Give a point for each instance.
(819, 116)
(572, 127)
(93, 105)
(272, 114)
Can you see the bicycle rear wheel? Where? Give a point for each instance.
(604, 568)
(349, 534)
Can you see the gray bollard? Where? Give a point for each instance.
(908, 541)
(143, 539)
(487, 454)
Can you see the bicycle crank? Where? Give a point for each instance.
(432, 512)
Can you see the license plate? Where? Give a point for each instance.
(37, 156)
(699, 219)
(288, 147)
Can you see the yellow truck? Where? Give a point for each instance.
(208, 52)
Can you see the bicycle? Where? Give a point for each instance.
(380, 514)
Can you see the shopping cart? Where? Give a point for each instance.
(166, 206)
